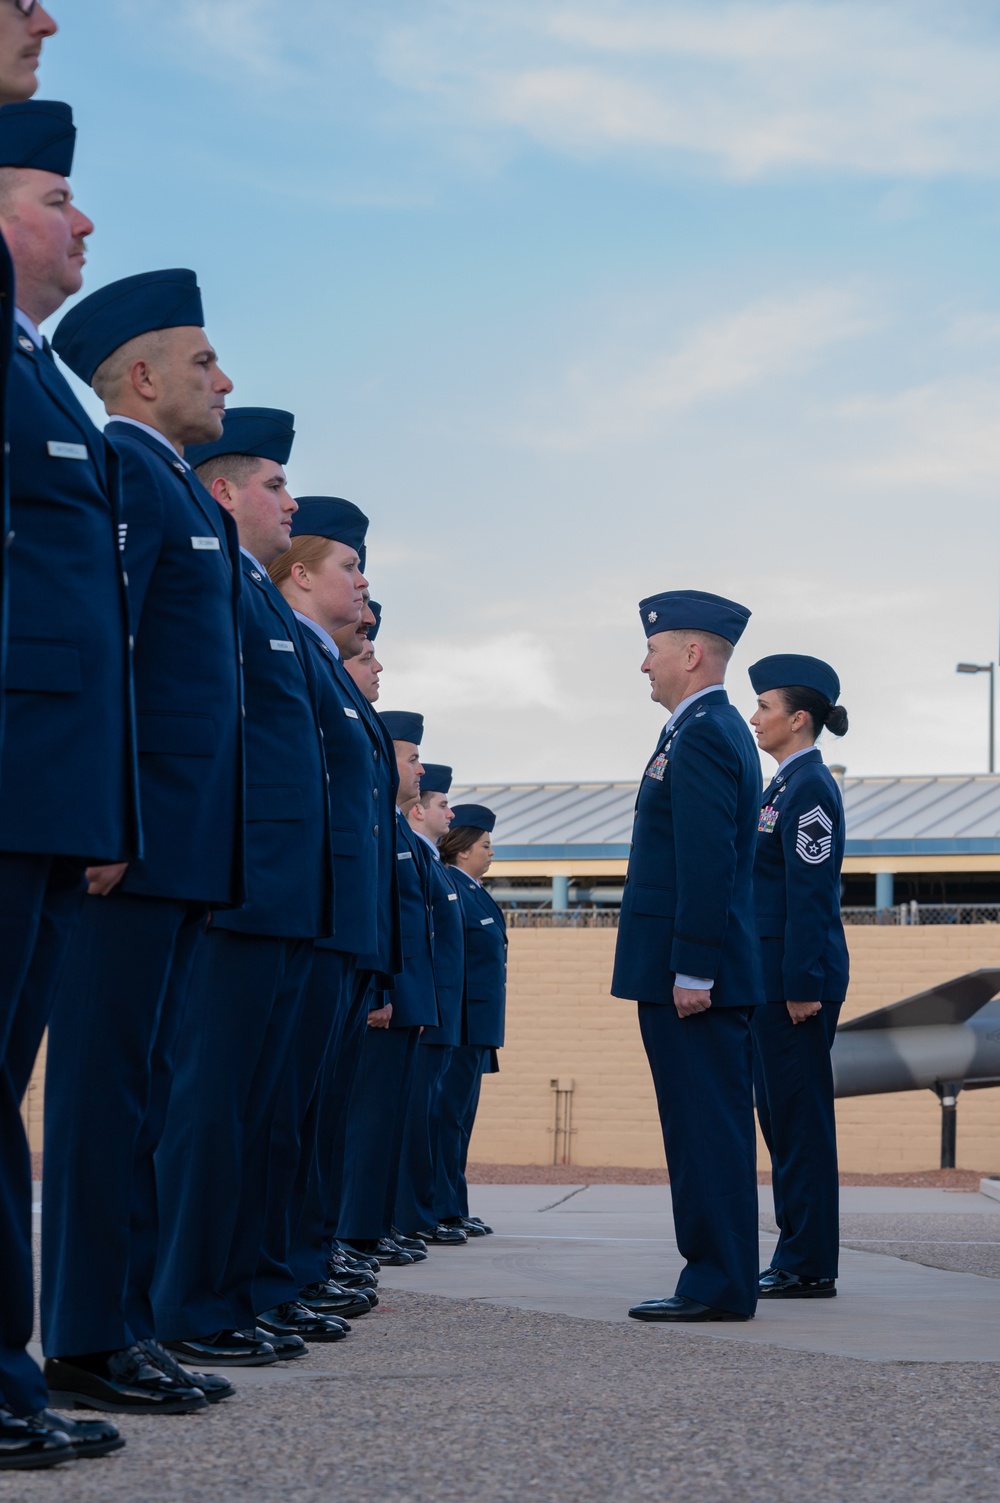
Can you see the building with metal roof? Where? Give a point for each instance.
(909, 839)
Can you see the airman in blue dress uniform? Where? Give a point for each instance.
(687, 950)
(800, 851)
(140, 344)
(252, 969)
(68, 772)
(429, 819)
(321, 578)
(377, 1110)
(467, 850)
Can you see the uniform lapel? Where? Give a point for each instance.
(58, 389)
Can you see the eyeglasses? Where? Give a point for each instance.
(25, 6)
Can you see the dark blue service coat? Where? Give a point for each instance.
(289, 877)
(182, 558)
(796, 878)
(6, 356)
(68, 770)
(485, 963)
(414, 995)
(449, 952)
(688, 903)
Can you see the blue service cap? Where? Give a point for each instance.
(376, 611)
(257, 432)
(110, 317)
(472, 817)
(332, 517)
(693, 610)
(38, 133)
(787, 670)
(435, 778)
(403, 725)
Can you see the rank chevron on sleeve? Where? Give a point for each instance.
(814, 837)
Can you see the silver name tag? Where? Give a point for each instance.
(67, 451)
(453, 897)
(404, 855)
(351, 714)
(279, 644)
(206, 545)
(486, 921)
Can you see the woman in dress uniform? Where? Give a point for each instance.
(468, 850)
(800, 849)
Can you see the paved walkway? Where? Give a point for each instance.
(507, 1372)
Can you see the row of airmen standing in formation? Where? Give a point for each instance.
(241, 904)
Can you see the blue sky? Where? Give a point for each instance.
(584, 300)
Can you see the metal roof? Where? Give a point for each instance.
(888, 816)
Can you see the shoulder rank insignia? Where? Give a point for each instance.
(658, 767)
(814, 838)
(768, 819)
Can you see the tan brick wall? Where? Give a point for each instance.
(561, 1021)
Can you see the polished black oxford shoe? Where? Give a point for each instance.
(350, 1276)
(88, 1438)
(330, 1299)
(293, 1319)
(776, 1284)
(125, 1382)
(385, 1253)
(27, 1445)
(286, 1348)
(478, 1221)
(212, 1386)
(444, 1235)
(473, 1228)
(358, 1254)
(415, 1243)
(225, 1349)
(680, 1310)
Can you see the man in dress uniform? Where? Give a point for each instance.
(377, 1110)
(140, 344)
(429, 819)
(68, 774)
(23, 28)
(252, 968)
(687, 950)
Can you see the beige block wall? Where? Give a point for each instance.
(561, 1021)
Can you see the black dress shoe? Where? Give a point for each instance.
(125, 1382)
(361, 1253)
(225, 1349)
(348, 1276)
(444, 1236)
(679, 1309)
(212, 1386)
(330, 1299)
(408, 1244)
(475, 1228)
(478, 1221)
(87, 1437)
(286, 1348)
(776, 1284)
(27, 1445)
(388, 1255)
(293, 1319)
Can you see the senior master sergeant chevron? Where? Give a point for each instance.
(687, 951)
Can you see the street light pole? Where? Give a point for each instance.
(989, 668)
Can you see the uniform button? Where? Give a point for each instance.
(131, 643)
(321, 736)
(328, 777)
(243, 711)
(241, 660)
(8, 539)
(375, 831)
(125, 579)
(374, 793)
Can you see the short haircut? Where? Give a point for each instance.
(306, 549)
(110, 375)
(239, 468)
(713, 646)
(8, 185)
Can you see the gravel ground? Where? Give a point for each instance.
(433, 1398)
(582, 1174)
(965, 1244)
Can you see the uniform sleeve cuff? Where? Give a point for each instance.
(694, 983)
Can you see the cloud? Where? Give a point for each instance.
(751, 88)
(242, 33)
(943, 434)
(620, 396)
(514, 671)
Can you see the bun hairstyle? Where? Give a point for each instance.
(824, 715)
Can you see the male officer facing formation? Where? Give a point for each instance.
(687, 950)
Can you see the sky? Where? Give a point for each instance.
(581, 300)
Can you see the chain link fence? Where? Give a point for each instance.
(899, 914)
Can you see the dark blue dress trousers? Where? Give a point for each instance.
(459, 1099)
(710, 1143)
